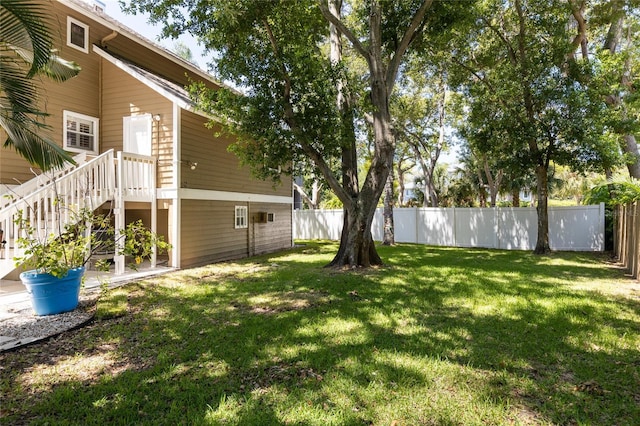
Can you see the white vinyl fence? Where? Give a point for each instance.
(579, 228)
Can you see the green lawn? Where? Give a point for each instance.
(440, 336)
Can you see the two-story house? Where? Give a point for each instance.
(145, 152)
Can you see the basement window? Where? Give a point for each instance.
(81, 133)
(242, 215)
(77, 35)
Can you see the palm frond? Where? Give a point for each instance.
(28, 141)
(24, 26)
(25, 51)
(59, 69)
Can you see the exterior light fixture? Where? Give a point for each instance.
(192, 165)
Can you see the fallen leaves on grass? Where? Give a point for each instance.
(591, 387)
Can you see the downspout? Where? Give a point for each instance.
(177, 200)
(103, 45)
(105, 39)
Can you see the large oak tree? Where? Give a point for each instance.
(276, 53)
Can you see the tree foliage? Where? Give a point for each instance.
(531, 102)
(616, 192)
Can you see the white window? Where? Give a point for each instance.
(242, 215)
(81, 133)
(77, 34)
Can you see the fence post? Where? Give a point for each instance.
(636, 239)
(623, 231)
(624, 236)
(616, 230)
(496, 227)
(602, 227)
(628, 220)
(417, 225)
(455, 234)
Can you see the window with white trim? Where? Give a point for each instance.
(81, 133)
(242, 217)
(77, 34)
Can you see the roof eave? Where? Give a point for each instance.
(152, 85)
(116, 26)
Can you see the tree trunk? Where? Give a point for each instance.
(400, 187)
(388, 238)
(357, 247)
(482, 193)
(631, 148)
(542, 243)
(430, 185)
(435, 153)
(493, 184)
(482, 196)
(515, 198)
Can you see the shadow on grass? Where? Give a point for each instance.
(443, 336)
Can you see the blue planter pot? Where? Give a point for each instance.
(51, 295)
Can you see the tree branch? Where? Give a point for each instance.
(580, 40)
(283, 69)
(291, 121)
(412, 31)
(335, 20)
(505, 41)
(310, 200)
(323, 167)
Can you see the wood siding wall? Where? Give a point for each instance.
(270, 236)
(83, 93)
(79, 94)
(208, 233)
(13, 168)
(122, 96)
(218, 169)
(104, 91)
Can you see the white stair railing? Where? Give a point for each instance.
(136, 181)
(39, 181)
(88, 185)
(136, 176)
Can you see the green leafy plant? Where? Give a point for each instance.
(84, 235)
(614, 192)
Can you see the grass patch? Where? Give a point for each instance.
(436, 336)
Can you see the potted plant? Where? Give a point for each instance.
(59, 258)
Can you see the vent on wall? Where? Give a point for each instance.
(261, 217)
(264, 217)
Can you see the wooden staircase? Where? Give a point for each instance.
(89, 183)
